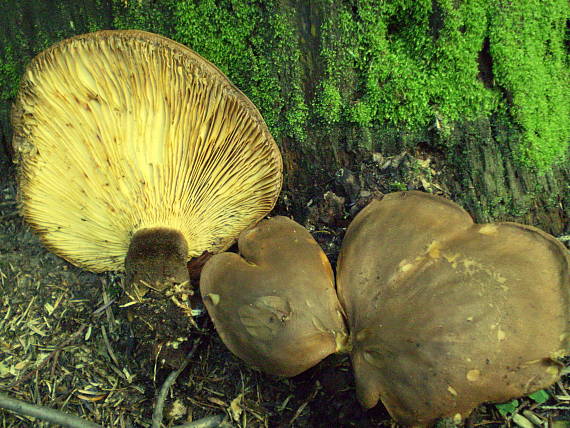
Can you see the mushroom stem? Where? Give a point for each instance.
(156, 259)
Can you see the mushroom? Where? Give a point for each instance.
(446, 314)
(134, 151)
(275, 304)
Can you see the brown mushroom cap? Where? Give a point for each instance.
(275, 305)
(117, 132)
(446, 314)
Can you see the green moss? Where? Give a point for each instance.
(385, 71)
(285, 59)
(414, 62)
(418, 65)
(531, 65)
(398, 186)
(329, 104)
(156, 17)
(9, 75)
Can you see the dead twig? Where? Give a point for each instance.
(108, 345)
(207, 422)
(44, 413)
(107, 306)
(304, 405)
(9, 215)
(103, 308)
(54, 364)
(298, 412)
(160, 400)
(554, 408)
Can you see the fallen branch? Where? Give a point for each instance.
(207, 422)
(44, 413)
(159, 407)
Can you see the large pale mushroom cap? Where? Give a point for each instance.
(275, 306)
(121, 131)
(446, 314)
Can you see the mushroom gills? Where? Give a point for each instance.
(118, 131)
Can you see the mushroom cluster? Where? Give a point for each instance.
(443, 313)
(135, 152)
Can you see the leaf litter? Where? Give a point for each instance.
(65, 344)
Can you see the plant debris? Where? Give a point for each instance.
(66, 344)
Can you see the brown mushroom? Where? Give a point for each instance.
(446, 314)
(132, 149)
(275, 306)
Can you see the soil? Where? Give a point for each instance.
(66, 342)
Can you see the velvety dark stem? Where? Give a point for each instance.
(157, 257)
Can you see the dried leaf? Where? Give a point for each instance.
(217, 401)
(235, 408)
(92, 397)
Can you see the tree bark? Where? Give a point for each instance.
(473, 164)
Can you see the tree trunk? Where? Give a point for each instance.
(313, 68)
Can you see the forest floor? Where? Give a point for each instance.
(66, 342)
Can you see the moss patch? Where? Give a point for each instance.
(156, 17)
(531, 65)
(431, 64)
(384, 72)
